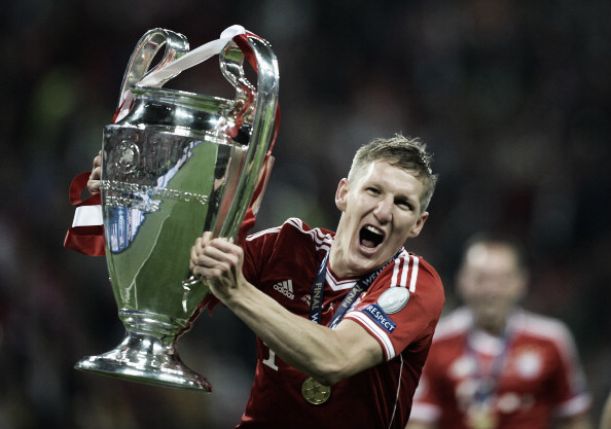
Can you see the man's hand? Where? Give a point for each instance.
(219, 262)
(93, 184)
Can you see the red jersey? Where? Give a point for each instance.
(538, 377)
(283, 263)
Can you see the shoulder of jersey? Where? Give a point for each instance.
(426, 266)
(544, 327)
(412, 271)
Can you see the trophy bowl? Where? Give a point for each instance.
(176, 164)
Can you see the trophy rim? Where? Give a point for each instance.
(186, 98)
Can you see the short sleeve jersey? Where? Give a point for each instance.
(539, 378)
(283, 262)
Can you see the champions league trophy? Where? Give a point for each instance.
(176, 164)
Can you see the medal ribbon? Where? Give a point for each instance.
(318, 291)
(488, 383)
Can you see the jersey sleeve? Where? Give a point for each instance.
(402, 306)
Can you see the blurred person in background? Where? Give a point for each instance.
(344, 319)
(493, 364)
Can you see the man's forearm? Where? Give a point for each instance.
(323, 353)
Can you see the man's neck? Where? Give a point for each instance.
(337, 265)
(496, 327)
(340, 268)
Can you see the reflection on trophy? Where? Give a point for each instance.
(176, 164)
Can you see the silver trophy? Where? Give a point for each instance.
(176, 164)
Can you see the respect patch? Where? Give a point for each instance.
(376, 314)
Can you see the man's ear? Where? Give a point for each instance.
(341, 194)
(415, 231)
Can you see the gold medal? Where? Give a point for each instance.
(481, 417)
(314, 392)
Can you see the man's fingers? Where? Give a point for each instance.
(208, 273)
(217, 260)
(194, 254)
(97, 160)
(217, 253)
(93, 186)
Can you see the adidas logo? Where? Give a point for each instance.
(285, 288)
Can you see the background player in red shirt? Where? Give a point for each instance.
(344, 320)
(493, 364)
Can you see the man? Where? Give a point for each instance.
(344, 320)
(493, 364)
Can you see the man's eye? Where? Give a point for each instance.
(373, 191)
(405, 205)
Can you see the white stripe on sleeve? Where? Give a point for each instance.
(375, 330)
(414, 276)
(405, 271)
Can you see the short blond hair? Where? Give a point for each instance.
(407, 153)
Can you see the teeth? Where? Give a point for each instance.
(374, 230)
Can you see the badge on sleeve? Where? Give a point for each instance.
(394, 299)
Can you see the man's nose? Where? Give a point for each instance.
(383, 210)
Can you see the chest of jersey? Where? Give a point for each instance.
(292, 287)
(518, 378)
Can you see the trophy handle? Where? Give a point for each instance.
(263, 101)
(175, 44)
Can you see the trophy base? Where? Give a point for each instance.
(143, 358)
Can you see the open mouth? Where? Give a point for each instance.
(370, 237)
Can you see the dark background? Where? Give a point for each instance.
(513, 97)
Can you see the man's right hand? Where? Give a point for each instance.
(94, 182)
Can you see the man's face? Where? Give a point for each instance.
(491, 282)
(380, 210)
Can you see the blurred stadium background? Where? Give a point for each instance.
(514, 98)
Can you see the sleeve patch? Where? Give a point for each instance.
(393, 300)
(376, 314)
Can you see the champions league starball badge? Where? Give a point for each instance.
(394, 299)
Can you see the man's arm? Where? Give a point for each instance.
(328, 355)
